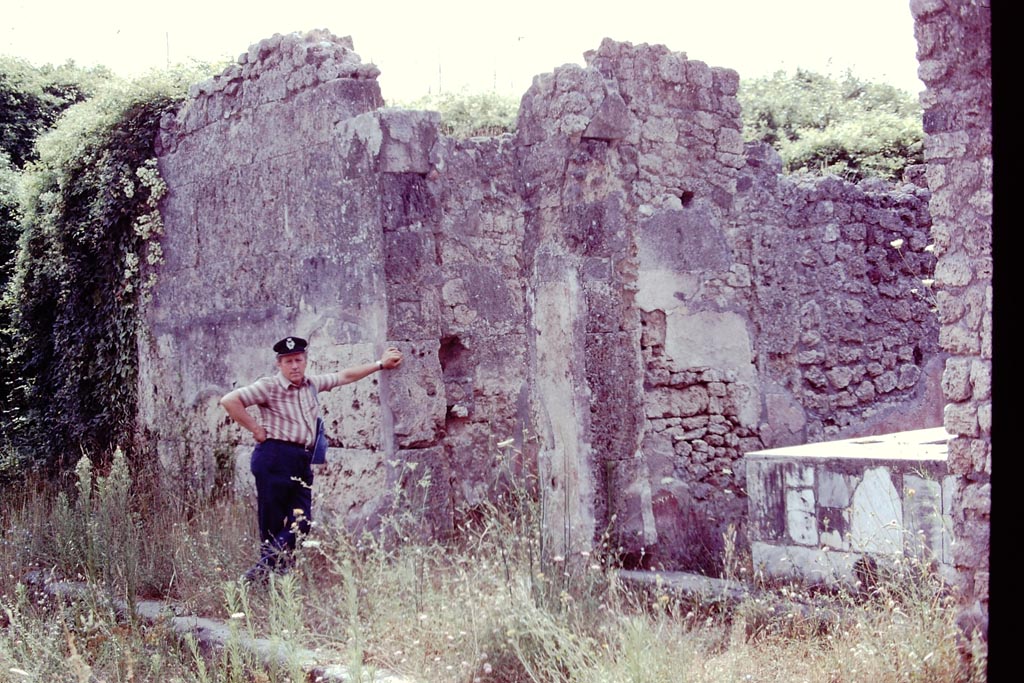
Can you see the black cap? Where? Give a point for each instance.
(290, 345)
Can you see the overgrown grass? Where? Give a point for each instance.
(493, 605)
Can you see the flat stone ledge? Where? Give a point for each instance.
(915, 445)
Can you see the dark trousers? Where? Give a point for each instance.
(284, 488)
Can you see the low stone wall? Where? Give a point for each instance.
(838, 512)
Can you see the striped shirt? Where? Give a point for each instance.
(288, 412)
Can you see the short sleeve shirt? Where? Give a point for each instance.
(288, 412)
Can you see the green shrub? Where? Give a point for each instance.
(849, 127)
(465, 115)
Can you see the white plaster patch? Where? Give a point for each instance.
(834, 489)
(801, 522)
(877, 522)
(715, 340)
(367, 128)
(657, 289)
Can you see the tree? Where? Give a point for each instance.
(32, 98)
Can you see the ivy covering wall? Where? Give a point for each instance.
(89, 230)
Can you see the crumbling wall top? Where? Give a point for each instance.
(269, 71)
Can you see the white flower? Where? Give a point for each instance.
(928, 282)
(930, 248)
(311, 544)
(238, 616)
(896, 243)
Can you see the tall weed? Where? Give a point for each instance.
(491, 605)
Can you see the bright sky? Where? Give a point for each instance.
(448, 45)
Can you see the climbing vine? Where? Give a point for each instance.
(91, 232)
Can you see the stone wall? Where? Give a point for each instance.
(954, 51)
(621, 287)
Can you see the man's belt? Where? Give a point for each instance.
(292, 444)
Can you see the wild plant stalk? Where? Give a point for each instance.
(487, 606)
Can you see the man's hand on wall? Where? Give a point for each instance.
(391, 359)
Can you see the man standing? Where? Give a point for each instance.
(286, 434)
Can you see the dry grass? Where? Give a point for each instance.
(493, 606)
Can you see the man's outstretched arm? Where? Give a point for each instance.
(391, 359)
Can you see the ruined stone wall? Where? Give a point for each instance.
(806, 304)
(842, 302)
(621, 287)
(954, 51)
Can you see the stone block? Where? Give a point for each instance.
(422, 492)
(961, 418)
(876, 524)
(801, 520)
(835, 489)
(956, 379)
(977, 498)
(416, 396)
(981, 380)
(612, 120)
(408, 140)
(815, 565)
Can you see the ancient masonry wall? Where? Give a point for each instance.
(954, 52)
(622, 288)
